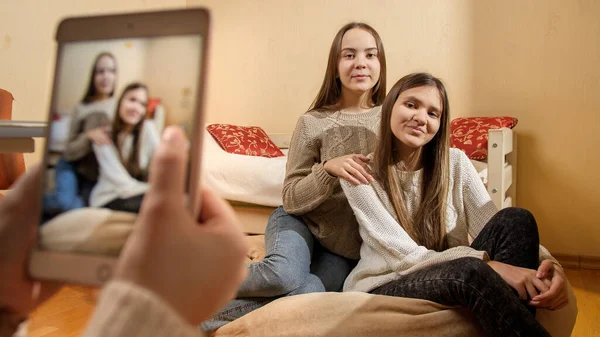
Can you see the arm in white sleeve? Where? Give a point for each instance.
(383, 233)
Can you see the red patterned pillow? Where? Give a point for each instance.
(248, 140)
(153, 102)
(470, 134)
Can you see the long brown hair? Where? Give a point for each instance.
(91, 93)
(428, 226)
(331, 89)
(132, 164)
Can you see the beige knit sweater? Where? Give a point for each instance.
(79, 145)
(308, 190)
(127, 310)
(388, 251)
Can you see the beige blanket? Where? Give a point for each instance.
(361, 314)
(309, 315)
(352, 314)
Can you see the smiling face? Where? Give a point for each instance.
(415, 118)
(358, 66)
(132, 108)
(105, 75)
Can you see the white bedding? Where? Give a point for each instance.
(256, 180)
(236, 177)
(482, 169)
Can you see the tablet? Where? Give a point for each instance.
(119, 81)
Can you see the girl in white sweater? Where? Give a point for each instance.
(123, 163)
(416, 218)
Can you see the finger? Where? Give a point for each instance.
(24, 192)
(537, 304)
(105, 139)
(356, 173)
(547, 282)
(361, 157)
(168, 169)
(544, 269)
(368, 170)
(361, 173)
(522, 292)
(551, 293)
(362, 162)
(539, 285)
(348, 177)
(100, 140)
(215, 207)
(97, 139)
(531, 290)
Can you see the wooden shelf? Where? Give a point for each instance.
(17, 136)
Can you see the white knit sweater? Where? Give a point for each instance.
(387, 250)
(114, 181)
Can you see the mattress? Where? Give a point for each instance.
(256, 180)
(254, 218)
(241, 178)
(482, 169)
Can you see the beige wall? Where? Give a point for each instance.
(77, 61)
(537, 60)
(172, 69)
(28, 50)
(269, 56)
(167, 65)
(540, 61)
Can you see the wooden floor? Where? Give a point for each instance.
(65, 315)
(586, 285)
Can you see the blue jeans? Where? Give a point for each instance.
(294, 264)
(65, 196)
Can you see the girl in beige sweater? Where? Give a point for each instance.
(330, 142)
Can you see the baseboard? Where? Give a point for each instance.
(577, 261)
(589, 262)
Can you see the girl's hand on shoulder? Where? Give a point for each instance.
(523, 280)
(99, 136)
(351, 167)
(557, 296)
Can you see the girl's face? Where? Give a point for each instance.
(358, 67)
(133, 106)
(105, 75)
(415, 118)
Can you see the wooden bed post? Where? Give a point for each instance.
(501, 174)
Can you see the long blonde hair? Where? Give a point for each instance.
(331, 89)
(132, 164)
(90, 93)
(427, 228)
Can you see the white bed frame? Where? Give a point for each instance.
(502, 167)
(501, 163)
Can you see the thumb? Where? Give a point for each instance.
(26, 188)
(215, 208)
(544, 269)
(169, 164)
(364, 158)
(24, 196)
